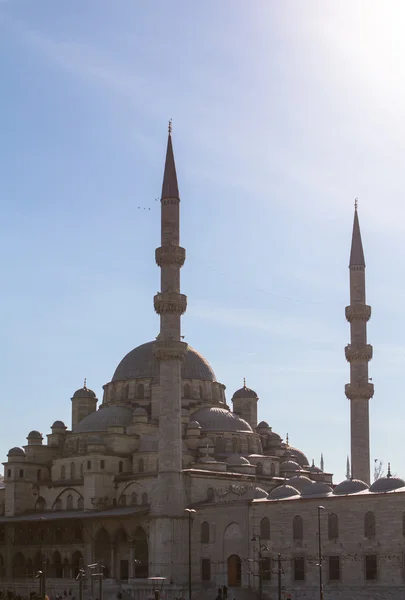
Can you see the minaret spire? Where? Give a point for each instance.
(168, 501)
(358, 354)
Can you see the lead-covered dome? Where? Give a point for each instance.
(387, 484)
(141, 363)
(214, 418)
(350, 486)
(103, 418)
(84, 392)
(283, 491)
(245, 392)
(319, 488)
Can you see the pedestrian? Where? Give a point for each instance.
(224, 591)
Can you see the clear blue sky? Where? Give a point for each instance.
(283, 113)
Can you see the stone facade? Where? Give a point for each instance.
(115, 489)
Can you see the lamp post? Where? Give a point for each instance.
(100, 576)
(190, 512)
(257, 538)
(320, 552)
(80, 576)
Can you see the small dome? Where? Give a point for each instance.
(289, 465)
(256, 493)
(16, 452)
(34, 435)
(140, 412)
(214, 418)
(387, 484)
(237, 460)
(84, 392)
(245, 392)
(103, 418)
(314, 469)
(299, 482)
(283, 491)
(194, 425)
(316, 489)
(263, 425)
(350, 486)
(59, 425)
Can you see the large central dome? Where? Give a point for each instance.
(141, 363)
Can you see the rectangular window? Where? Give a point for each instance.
(88, 465)
(21, 473)
(371, 567)
(206, 569)
(299, 568)
(334, 568)
(8, 472)
(266, 568)
(102, 464)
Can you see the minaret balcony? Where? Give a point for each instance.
(170, 255)
(359, 392)
(358, 312)
(170, 303)
(358, 352)
(170, 349)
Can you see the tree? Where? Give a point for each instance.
(378, 468)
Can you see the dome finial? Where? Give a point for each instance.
(389, 470)
(244, 382)
(85, 383)
(356, 202)
(287, 441)
(313, 462)
(170, 126)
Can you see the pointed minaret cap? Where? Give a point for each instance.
(356, 252)
(170, 188)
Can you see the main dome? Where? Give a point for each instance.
(141, 363)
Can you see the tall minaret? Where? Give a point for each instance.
(358, 354)
(168, 499)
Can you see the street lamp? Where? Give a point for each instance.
(100, 576)
(320, 552)
(257, 538)
(190, 512)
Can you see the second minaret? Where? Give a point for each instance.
(358, 354)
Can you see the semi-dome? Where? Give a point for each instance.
(103, 418)
(245, 392)
(141, 363)
(16, 452)
(350, 486)
(387, 484)
(34, 435)
(84, 392)
(297, 455)
(194, 425)
(299, 481)
(283, 491)
(59, 425)
(289, 465)
(237, 460)
(214, 418)
(263, 425)
(319, 488)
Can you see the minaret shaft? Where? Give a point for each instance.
(358, 353)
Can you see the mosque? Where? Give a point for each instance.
(162, 484)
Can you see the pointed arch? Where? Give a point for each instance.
(141, 552)
(40, 504)
(333, 526)
(265, 528)
(298, 528)
(273, 470)
(57, 505)
(123, 500)
(234, 571)
(69, 502)
(259, 468)
(187, 390)
(125, 394)
(145, 498)
(80, 503)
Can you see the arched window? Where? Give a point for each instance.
(120, 466)
(141, 391)
(265, 529)
(333, 526)
(369, 525)
(298, 529)
(201, 391)
(77, 563)
(235, 445)
(126, 392)
(187, 391)
(141, 465)
(144, 498)
(62, 472)
(69, 502)
(219, 445)
(273, 470)
(80, 503)
(72, 470)
(205, 533)
(134, 499)
(57, 505)
(57, 565)
(210, 494)
(141, 554)
(29, 569)
(123, 500)
(40, 504)
(259, 469)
